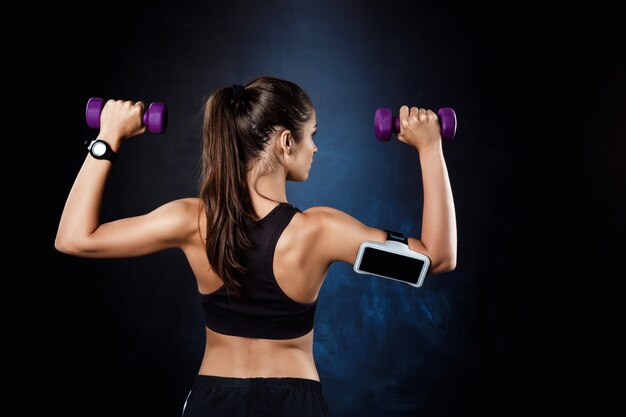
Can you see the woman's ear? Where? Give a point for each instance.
(285, 141)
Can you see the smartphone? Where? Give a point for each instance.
(392, 260)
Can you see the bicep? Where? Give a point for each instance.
(341, 236)
(168, 226)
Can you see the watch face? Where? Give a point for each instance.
(98, 149)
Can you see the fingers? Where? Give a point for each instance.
(404, 114)
(431, 114)
(109, 103)
(417, 126)
(421, 114)
(126, 102)
(129, 104)
(416, 114)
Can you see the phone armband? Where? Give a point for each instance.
(392, 259)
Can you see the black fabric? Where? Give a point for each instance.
(268, 312)
(218, 396)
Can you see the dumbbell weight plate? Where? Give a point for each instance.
(92, 112)
(383, 124)
(155, 118)
(447, 122)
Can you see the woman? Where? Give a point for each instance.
(259, 261)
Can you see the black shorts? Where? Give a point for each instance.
(218, 396)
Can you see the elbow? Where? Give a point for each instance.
(63, 245)
(449, 265)
(67, 245)
(444, 264)
(450, 262)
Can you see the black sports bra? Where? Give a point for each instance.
(268, 313)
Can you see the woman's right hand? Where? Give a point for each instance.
(419, 128)
(121, 119)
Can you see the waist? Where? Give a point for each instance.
(300, 371)
(262, 362)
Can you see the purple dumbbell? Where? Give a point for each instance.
(154, 118)
(385, 123)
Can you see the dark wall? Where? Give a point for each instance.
(536, 170)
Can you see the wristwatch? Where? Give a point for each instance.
(99, 149)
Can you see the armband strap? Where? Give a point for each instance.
(396, 236)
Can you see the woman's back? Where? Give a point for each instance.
(298, 273)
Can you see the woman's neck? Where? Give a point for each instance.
(266, 190)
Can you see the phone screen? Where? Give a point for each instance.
(391, 265)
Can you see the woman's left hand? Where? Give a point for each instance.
(121, 119)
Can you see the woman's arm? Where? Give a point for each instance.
(438, 216)
(420, 128)
(80, 232)
(341, 234)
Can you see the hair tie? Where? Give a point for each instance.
(239, 92)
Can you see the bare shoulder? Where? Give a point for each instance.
(333, 221)
(316, 213)
(340, 234)
(183, 208)
(181, 215)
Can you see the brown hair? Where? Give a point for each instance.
(234, 136)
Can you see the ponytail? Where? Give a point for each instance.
(224, 190)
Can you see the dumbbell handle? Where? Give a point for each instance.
(385, 123)
(154, 117)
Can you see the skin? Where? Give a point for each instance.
(310, 243)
